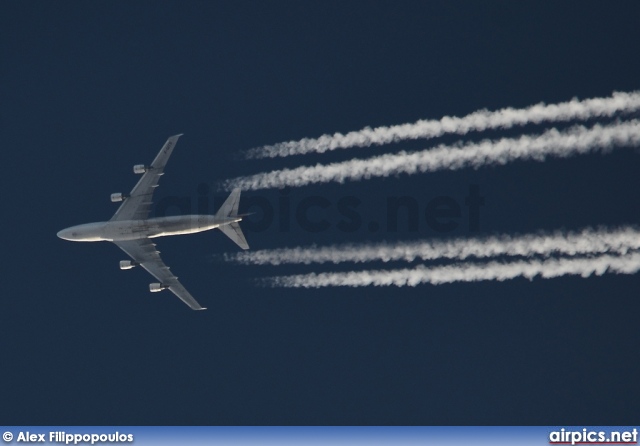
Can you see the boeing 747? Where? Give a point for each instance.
(132, 230)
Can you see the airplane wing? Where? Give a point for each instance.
(138, 204)
(144, 252)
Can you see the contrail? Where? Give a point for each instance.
(587, 241)
(477, 121)
(467, 272)
(552, 143)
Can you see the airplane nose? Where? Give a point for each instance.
(65, 234)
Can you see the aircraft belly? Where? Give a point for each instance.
(165, 233)
(181, 225)
(128, 230)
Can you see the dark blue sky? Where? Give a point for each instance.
(89, 89)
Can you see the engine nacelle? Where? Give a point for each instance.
(118, 196)
(155, 287)
(140, 169)
(127, 264)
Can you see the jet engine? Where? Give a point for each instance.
(140, 169)
(118, 196)
(155, 287)
(127, 264)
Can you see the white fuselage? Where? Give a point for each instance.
(136, 229)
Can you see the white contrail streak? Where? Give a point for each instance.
(477, 121)
(587, 241)
(552, 143)
(467, 272)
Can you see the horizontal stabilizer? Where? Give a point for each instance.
(230, 205)
(233, 231)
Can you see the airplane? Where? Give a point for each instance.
(131, 229)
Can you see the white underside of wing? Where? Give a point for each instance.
(143, 251)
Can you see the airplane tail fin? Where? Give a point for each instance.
(229, 209)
